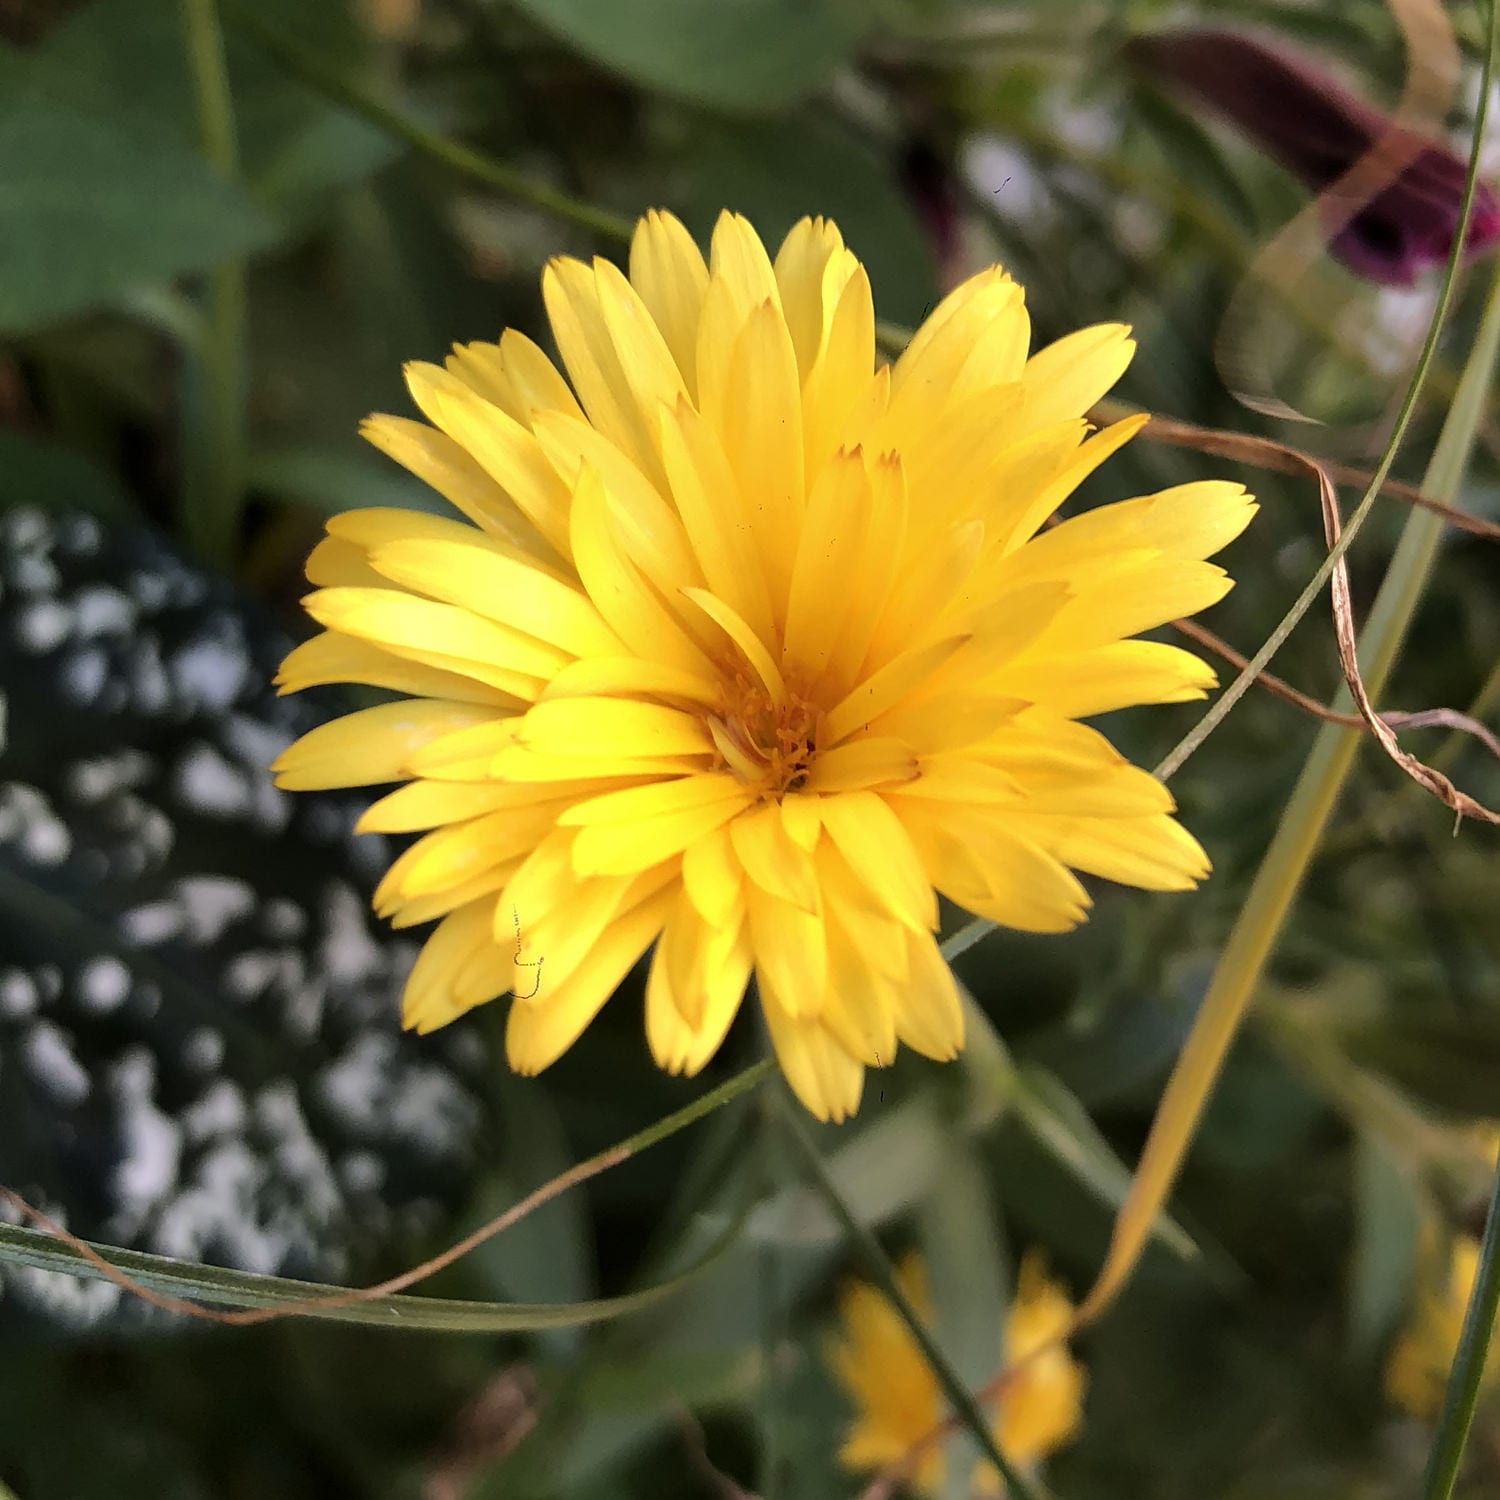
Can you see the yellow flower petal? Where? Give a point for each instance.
(994, 873)
(742, 636)
(758, 419)
(427, 1001)
(437, 460)
(624, 848)
(819, 1071)
(455, 854)
(738, 259)
(669, 272)
(878, 849)
(514, 375)
(448, 635)
(713, 877)
(687, 1016)
(611, 727)
(422, 909)
(1067, 377)
(828, 553)
(808, 251)
(860, 763)
(633, 610)
(708, 499)
(330, 657)
(508, 452)
(770, 857)
(371, 746)
(431, 804)
(500, 589)
(882, 690)
(929, 1013)
(791, 950)
(1101, 678)
(1154, 852)
(630, 677)
(841, 383)
(537, 1034)
(335, 563)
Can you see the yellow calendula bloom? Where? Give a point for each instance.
(896, 1397)
(1416, 1375)
(748, 646)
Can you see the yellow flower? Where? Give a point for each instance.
(1417, 1373)
(750, 645)
(896, 1396)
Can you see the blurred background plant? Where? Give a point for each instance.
(223, 228)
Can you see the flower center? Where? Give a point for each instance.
(767, 744)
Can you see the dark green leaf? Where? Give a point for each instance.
(958, 1229)
(89, 212)
(45, 473)
(1060, 1124)
(1388, 1217)
(125, 64)
(743, 54)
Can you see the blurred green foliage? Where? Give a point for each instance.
(940, 134)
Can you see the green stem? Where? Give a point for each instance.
(1467, 1375)
(742, 1082)
(878, 1268)
(334, 83)
(213, 396)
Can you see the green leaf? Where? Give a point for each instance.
(34, 471)
(879, 1173)
(1058, 1122)
(1469, 1362)
(124, 63)
(88, 212)
(958, 1228)
(1387, 1225)
(239, 1289)
(741, 54)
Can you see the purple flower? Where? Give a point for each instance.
(1317, 130)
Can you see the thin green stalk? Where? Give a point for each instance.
(213, 396)
(973, 931)
(867, 1248)
(742, 1082)
(336, 84)
(257, 1298)
(1280, 875)
(1467, 1373)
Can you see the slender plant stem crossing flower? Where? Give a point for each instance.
(747, 647)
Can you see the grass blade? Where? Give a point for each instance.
(1468, 1366)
